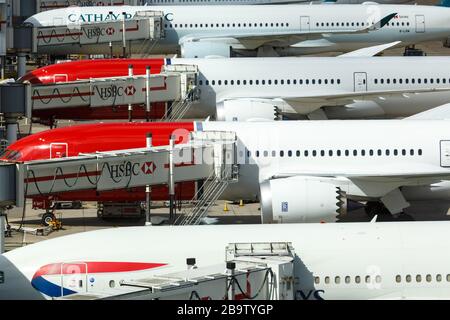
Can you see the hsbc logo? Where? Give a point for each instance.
(110, 31)
(130, 90)
(148, 168)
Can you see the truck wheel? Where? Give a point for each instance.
(47, 218)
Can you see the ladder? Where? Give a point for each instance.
(207, 195)
(179, 108)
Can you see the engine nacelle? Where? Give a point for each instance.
(246, 109)
(301, 199)
(205, 49)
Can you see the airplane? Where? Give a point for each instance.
(300, 171)
(379, 260)
(347, 87)
(268, 30)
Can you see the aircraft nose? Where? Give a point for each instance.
(14, 285)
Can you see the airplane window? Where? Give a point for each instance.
(403, 152)
(263, 81)
(407, 23)
(2, 277)
(403, 23)
(355, 153)
(406, 80)
(428, 277)
(176, 25)
(306, 153)
(213, 82)
(249, 153)
(228, 25)
(314, 153)
(347, 153)
(287, 81)
(190, 25)
(357, 279)
(431, 80)
(419, 80)
(112, 284)
(381, 81)
(400, 80)
(411, 152)
(300, 81)
(328, 24)
(338, 81)
(223, 25)
(413, 80)
(363, 152)
(244, 25)
(317, 24)
(448, 278)
(388, 81)
(271, 24)
(387, 152)
(378, 279)
(276, 24)
(307, 81)
(267, 24)
(319, 81)
(379, 152)
(257, 153)
(357, 24)
(376, 81)
(313, 81)
(418, 278)
(238, 82)
(281, 153)
(367, 279)
(444, 80)
(239, 25)
(425, 80)
(398, 278)
(371, 152)
(250, 82)
(438, 278)
(196, 25)
(165, 25)
(330, 153)
(395, 152)
(327, 279)
(282, 81)
(438, 80)
(347, 279)
(322, 153)
(219, 82)
(200, 82)
(332, 81)
(394, 81)
(348, 24)
(338, 153)
(332, 24)
(420, 152)
(294, 81)
(337, 280)
(297, 153)
(266, 153)
(326, 81)
(257, 81)
(408, 278)
(225, 82)
(244, 82)
(316, 280)
(322, 24)
(289, 153)
(232, 82)
(207, 82)
(398, 24)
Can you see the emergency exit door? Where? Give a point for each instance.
(360, 81)
(304, 23)
(420, 23)
(445, 153)
(73, 278)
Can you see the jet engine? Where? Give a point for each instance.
(301, 199)
(245, 110)
(205, 49)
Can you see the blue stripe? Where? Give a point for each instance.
(48, 288)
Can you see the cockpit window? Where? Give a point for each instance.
(11, 155)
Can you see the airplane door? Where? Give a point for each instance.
(445, 153)
(360, 81)
(73, 278)
(58, 150)
(304, 23)
(60, 78)
(420, 23)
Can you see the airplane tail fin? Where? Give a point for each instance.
(444, 3)
(439, 113)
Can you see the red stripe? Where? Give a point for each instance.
(94, 267)
(64, 176)
(60, 35)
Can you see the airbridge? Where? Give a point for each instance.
(208, 156)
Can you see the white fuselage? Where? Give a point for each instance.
(278, 81)
(333, 148)
(335, 261)
(413, 24)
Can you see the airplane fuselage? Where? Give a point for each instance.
(413, 24)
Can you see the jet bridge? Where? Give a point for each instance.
(260, 271)
(208, 155)
(84, 36)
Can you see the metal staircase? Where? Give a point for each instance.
(207, 195)
(179, 108)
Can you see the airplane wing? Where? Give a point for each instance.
(253, 40)
(369, 51)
